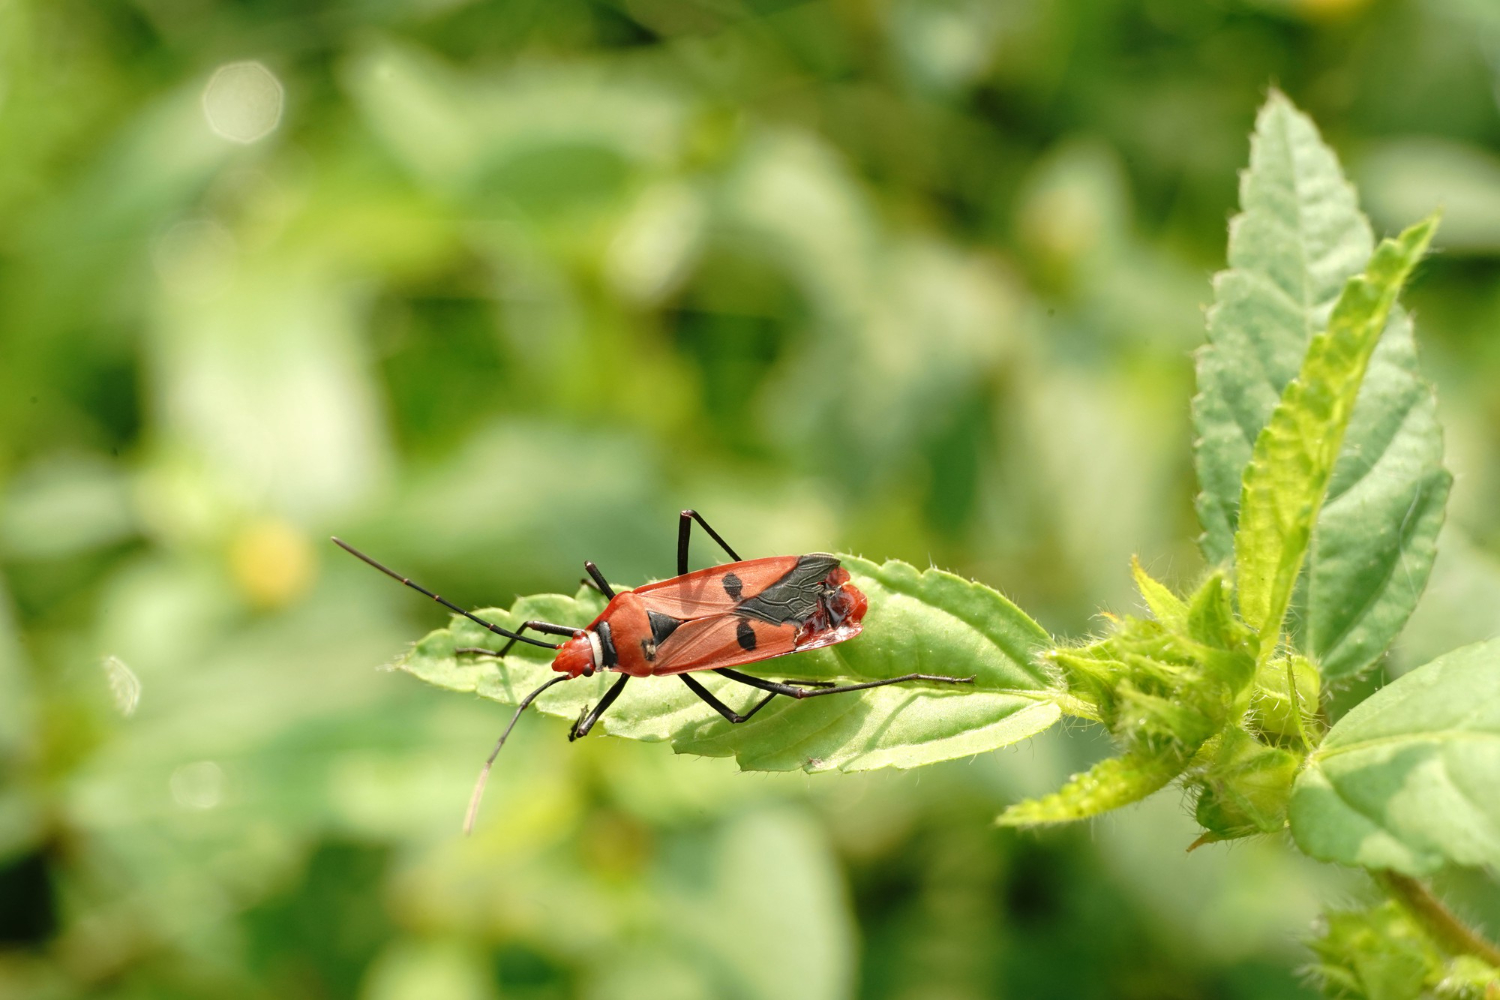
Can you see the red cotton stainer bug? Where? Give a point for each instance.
(713, 619)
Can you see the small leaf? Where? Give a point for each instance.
(1163, 691)
(1166, 607)
(1295, 453)
(1109, 784)
(1407, 780)
(919, 622)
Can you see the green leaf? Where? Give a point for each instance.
(918, 622)
(1293, 462)
(1166, 607)
(1109, 784)
(1300, 237)
(1408, 779)
(1376, 538)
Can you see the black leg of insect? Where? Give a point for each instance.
(791, 691)
(587, 718)
(729, 713)
(685, 529)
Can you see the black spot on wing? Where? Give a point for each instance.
(745, 635)
(793, 598)
(733, 586)
(662, 625)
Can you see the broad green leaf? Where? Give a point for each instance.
(1300, 237)
(919, 622)
(1408, 779)
(1293, 462)
(1376, 537)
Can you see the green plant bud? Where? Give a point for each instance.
(1245, 789)
(1271, 705)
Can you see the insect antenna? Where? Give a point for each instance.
(484, 774)
(441, 600)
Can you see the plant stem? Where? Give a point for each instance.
(1450, 932)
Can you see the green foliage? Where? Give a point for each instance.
(1406, 780)
(1287, 480)
(927, 622)
(1163, 687)
(1244, 787)
(504, 285)
(1384, 953)
(1366, 516)
(1109, 784)
(1375, 954)
(1273, 710)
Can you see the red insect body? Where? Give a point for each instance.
(726, 616)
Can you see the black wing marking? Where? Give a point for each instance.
(793, 598)
(661, 626)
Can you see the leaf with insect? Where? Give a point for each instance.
(928, 622)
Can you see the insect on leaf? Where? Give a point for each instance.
(918, 622)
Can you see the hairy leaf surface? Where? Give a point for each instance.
(1408, 779)
(1299, 238)
(1294, 457)
(918, 622)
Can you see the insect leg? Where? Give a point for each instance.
(719, 706)
(586, 721)
(685, 528)
(791, 691)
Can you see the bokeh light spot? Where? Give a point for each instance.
(199, 785)
(243, 101)
(272, 563)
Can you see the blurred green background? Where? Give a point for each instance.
(491, 288)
